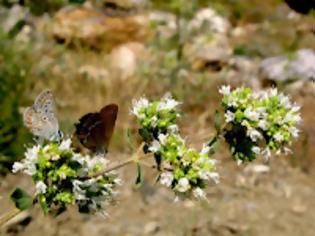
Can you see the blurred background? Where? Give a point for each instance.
(90, 53)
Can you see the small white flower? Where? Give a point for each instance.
(79, 193)
(183, 185)
(181, 150)
(199, 193)
(294, 132)
(284, 101)
(205, 149)
(79, 158)
(287, 150)
(256, 150)
(17, 166)
(55, 157)
(295, 118)
(138, 105)
(273, 92)
(253, 134)
(168, 103)
(225, 89)
(162, 138)
(155, 146)
(229, 116)
(65, 144)
(41, 187)
(252, 115)
(118, 181)
(31, 153)
(232, 101)
(30, 168)
(154, 120)
(278, 137)
(172, 128)
(295, 108)
(261, 111)
(263, 124)
(215, 177)
(266, 153)
(166, 179)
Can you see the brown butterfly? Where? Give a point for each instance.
(94, 130)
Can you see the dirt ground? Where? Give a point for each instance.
(246, 202)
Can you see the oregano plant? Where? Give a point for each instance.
(255, 124)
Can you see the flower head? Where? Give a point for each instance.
(184, 170)
(62, 177)
(265, 120)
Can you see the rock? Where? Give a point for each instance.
(300, 65)
(124, 58)
(166, 23)
(257, 169)
(95, 29)
(151, 227)
(211, 53)
(212, 21)
(299, 207)
(302, 87)
(244, 30)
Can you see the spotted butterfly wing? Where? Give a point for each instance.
(95, 130)
(41, 117)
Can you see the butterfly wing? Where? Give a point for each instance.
(41, 117)
(95, 130)
(32, 121)
(109, 116)
(87, 130)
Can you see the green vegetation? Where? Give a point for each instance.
(13, 76)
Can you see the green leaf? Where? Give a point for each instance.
(217, 121)
(139, 179)
(21, 199)
(145, 134)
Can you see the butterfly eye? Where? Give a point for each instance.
(45, 118)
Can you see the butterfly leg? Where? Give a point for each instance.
(39, 140)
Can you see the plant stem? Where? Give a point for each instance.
(135, 158)
(9, 215)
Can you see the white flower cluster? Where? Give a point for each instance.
(267, 119)
(94, 194)
(189, 170)
(183, 169)
(62, 177)
(28, 164)
(157, 114)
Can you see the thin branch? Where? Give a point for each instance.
(9, 215)
(135, 158)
